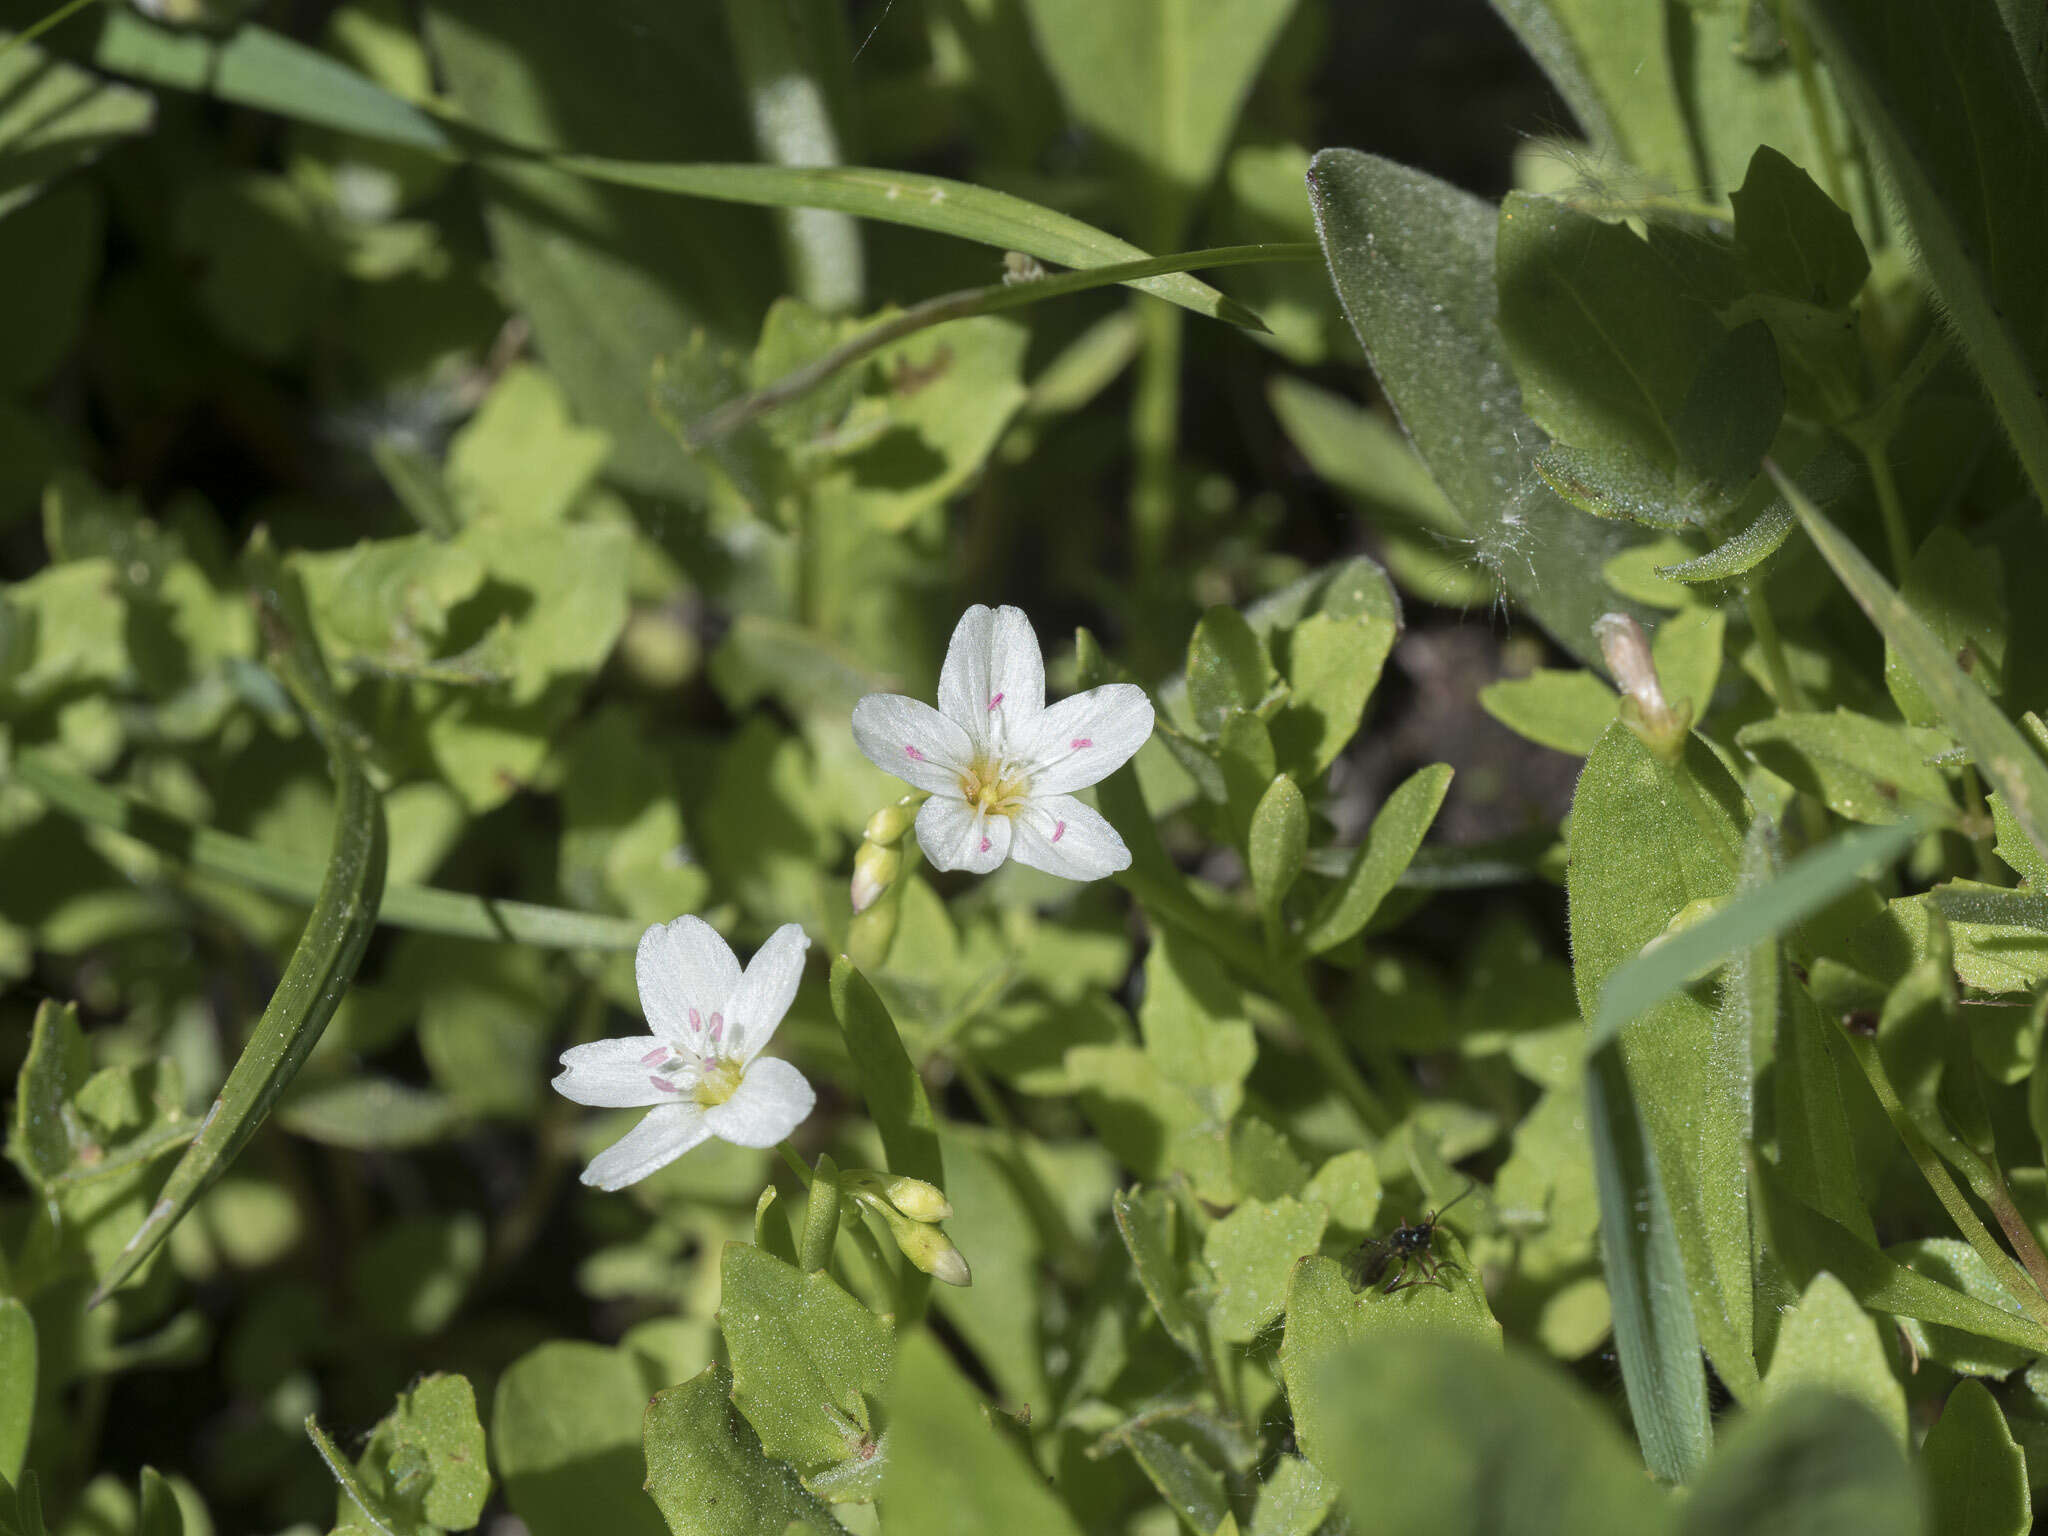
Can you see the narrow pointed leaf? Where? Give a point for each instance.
(344, 916)
(1940, 92)
(2001, 753)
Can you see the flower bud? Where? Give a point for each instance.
(915, 1198)
(875, 869)
(933, 1252)
(1644, 708)
(888, 825)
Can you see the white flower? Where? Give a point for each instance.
(702, 1069)
(997, 763)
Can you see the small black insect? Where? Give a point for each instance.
(1406, 1245)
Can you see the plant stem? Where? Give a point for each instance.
(1764, 625)
(797, 1165)
(1155, 429)
(1897, 542)
(2029, 1286)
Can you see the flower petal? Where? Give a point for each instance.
(913, 741)
(764, 994)
(956, 835)
(662, 1136)
(618, 1074)
(1062, 836)
(993, 682)
(1084, 739)
(771, 1101)
(681, 966)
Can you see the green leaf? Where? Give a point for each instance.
(889, 1081)
(343, 918)
(1866, 770)
(160, 1513)
(1730, 413)
(1565, 710)
(1427, 1433)
(707, 1471)
(1647, 841)
(1954, 1263)
(424, 1469)
(521, 457)
(1160, 84)
(1279, 839)
(1827, 1341)
(367, 1114)
(565, 1434)
(1956, 589)
(1389, 846)
(1191, 1489)
(1251, 1253)
(1602, 337)
(56, 1066)
(1332, 665)
(1227, 669)
(1791, 237)
(57, 116)
(17, 1383)
(808, 1363)
(1814, 1464)
(1809, 1244)
(1413, 262)
(1612, 63)
(1976, 1473)
(1930, 89)
(950, 1469)
(255, 67)
(1149, 1223)
(1293, 1500)
(1739, 553)
(1325, 1317)
(2002, 755)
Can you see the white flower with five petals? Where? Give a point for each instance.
(998, 764)
(701, 1071)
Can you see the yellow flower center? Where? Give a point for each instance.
(995, 786)
(720, 1082)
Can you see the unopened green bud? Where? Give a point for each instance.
(932, 1251)
(915, 1198)
(875, 868)
(921, 1241)
(888, 825)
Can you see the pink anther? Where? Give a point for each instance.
(984, 845)
(654, 1055)
(992, 703)
(1079, 742)
(912, 753)
(1059, 830)
(661, 1084)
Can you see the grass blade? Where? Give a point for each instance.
(968, 302)
(259, 68)
(2002, 754)
(203, 850)
(1939, 90)
(256, 67)
(343, 917)
(1808, 884)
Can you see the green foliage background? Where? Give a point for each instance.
(461, 462)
